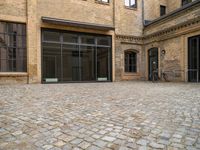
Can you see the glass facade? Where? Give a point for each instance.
(13, 56)
(77, 57)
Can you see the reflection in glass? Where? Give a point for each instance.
(70, 38)
(70, 61)
(51, 36)
(102, 64)
(13, 47)
(87, 63)
(87, 40)
(51, 61)
(75, 57)
(194, 59)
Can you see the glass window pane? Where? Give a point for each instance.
(127, 3)
(14, 28)
(70, 38)
(87, 40)
(3, 27)
(130, 62)
(3, 56)
(12, 58)
(51, 61)
(3, 40)
(21, 29)
(12, 40)
(102, 64)
(70, 63)
(87, 63)
(133, 2)
(51, 36)
(21, 41)
(103, 41)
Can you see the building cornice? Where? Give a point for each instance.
(173, 31)
(129, 39)
(76, 24)
(174, 28)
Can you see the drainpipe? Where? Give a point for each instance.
(143, 47)
(143, 14)
(114, 13)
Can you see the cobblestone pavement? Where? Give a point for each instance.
(100, 116)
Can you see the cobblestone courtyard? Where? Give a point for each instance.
(94, 116)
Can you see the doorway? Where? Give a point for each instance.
(153, 61)
(194, 59)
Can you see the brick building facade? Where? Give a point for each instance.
(98, 40)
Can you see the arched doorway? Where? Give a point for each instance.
(152, 60)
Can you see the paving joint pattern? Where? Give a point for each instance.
(100, 116)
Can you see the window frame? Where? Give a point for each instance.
(13, 48)
(185, 2)
(163, 7)
(134, 64)
(129, 6)
(102, 1)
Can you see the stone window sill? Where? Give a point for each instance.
(131, 8)
(131, 74)
(103, 3)
(13, 74)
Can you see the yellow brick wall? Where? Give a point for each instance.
(13, 10)
(128, 21)
(77, 10)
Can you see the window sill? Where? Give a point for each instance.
(131, 74)
(131, 8)
(13, 74)
(103, 3)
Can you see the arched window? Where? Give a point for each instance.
(130, 61)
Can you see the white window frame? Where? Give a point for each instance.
(131, 3)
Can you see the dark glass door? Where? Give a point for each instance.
(87, 63)
(194, 59)
(103, 64)
(52, 62)
(153, 61)
(70, 63)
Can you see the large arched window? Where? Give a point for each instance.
(130, 61)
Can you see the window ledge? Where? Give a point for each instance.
(103, 3)
(13, 74)
(131, 74)
(131, 8)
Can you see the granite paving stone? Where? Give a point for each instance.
(131, 115)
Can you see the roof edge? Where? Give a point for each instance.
(76, 23)
(173, 13)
